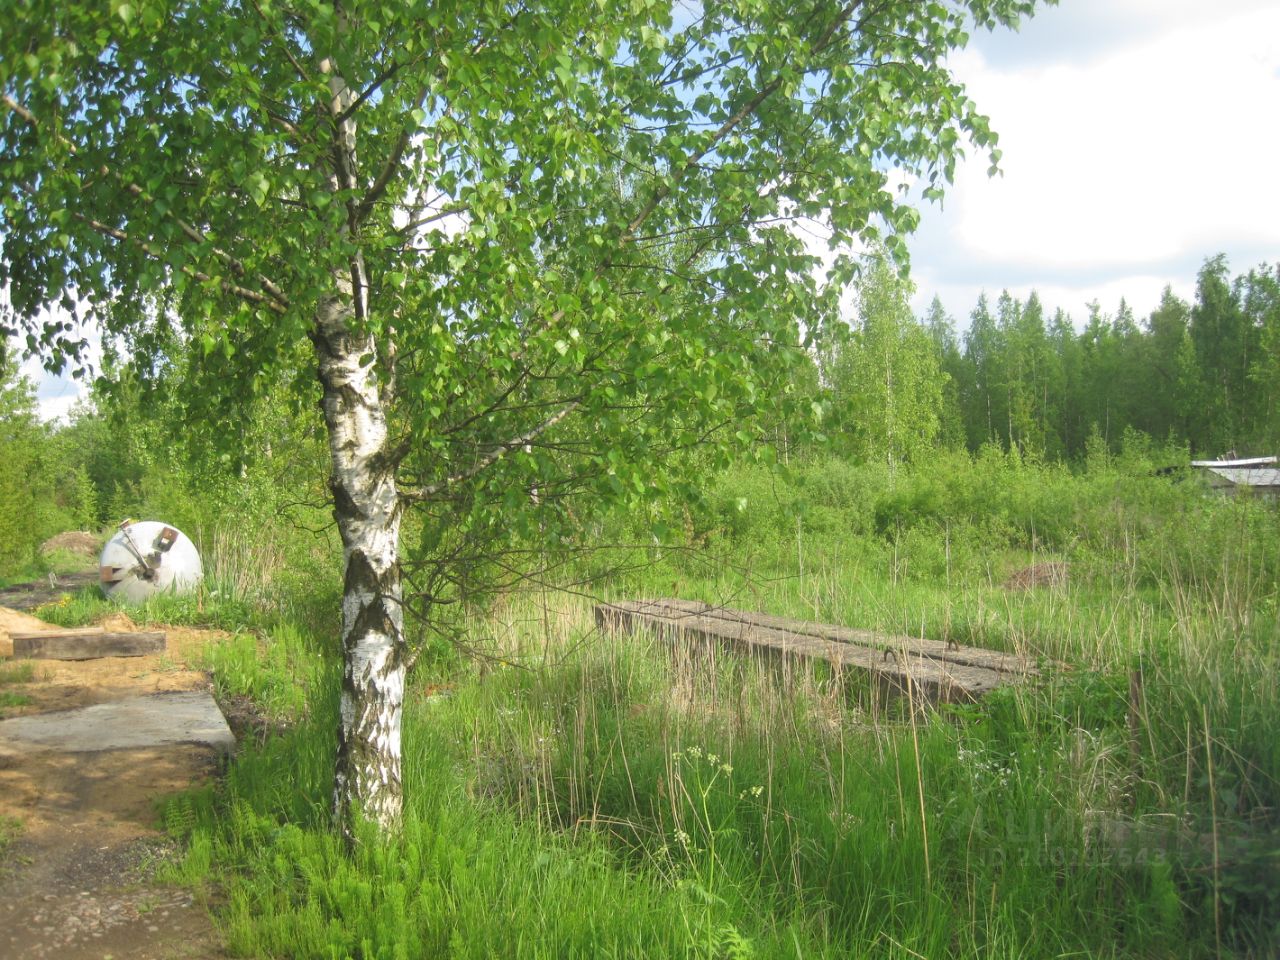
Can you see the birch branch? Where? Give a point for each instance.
(115, 233)
(276, 294)
(732, 123)
(494, 455)
(388, 171)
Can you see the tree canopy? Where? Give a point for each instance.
(1200, 374)
(526, 249)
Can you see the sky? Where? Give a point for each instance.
(56, 394)
(1139, 137)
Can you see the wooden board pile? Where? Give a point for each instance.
(929, 670)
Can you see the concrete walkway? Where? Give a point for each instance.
(138, 722)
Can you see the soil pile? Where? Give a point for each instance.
(79, 543)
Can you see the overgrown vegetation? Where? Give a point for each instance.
(575, 794)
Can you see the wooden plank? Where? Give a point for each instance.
(934, 649)
(86, 644)
(62, 632)
(929, 670)
(903, 675)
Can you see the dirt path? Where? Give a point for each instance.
(79, 882)
(28, 596)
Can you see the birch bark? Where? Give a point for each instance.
(367, 508)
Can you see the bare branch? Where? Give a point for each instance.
(20, 110)
(450, 210)
(494, 455)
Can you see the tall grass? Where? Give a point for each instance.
(577, 794)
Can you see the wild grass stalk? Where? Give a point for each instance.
(579, 794)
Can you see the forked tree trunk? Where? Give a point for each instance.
(367, 509)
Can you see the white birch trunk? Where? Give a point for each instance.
(366, 504)
(367, 509)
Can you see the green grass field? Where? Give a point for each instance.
(578, 794)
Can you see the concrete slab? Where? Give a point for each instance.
(135, 723)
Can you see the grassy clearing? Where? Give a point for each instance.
(17, 673)
(10, 675)
(580, 795)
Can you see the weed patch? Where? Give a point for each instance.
(10, 830)
(17, 673)
(575, 794)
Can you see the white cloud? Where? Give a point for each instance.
(58, 407)
(1122, 169)
(57, 393)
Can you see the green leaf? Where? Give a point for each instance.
(568, 248)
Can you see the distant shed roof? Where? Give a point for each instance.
(1248, 477)
(1247, 463)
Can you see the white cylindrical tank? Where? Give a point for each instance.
(147, 558)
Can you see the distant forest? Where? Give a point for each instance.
(1204, 375)
(1200, 378)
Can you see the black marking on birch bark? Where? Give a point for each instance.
(368, 781)
(337, 392)
(335, 340)
(350, 397)
(382, 590)
(344, 505)
(356, 794)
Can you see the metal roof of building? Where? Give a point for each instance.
(1248, 477)
(1245, 463)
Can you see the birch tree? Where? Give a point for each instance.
(887, 381)
(507, 244)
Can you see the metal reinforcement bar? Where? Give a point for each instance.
(928, 669)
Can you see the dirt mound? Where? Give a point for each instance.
(1051, 574)
(80, 543)
(117, 621)
(11, 621)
